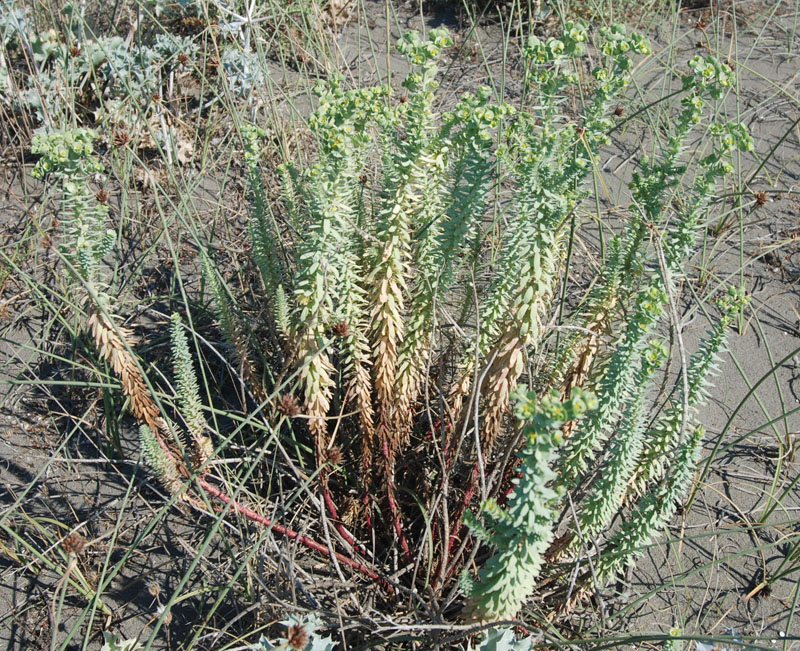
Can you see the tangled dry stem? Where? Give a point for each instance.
(388, 303)
(112, 347)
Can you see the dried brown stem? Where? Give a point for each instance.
(113, 349)
(294, 535)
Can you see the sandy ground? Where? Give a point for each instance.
(704, 579)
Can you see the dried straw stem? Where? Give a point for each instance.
(318, 381)
(500, 382)
(113, 349)
(239, 339)
(318, 390)
(362, 387)
(409, 385)
(389, 329)
(586, 352)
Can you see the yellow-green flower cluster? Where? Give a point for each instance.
(608, 81)
(525, 144)
(421, 81)
(734, 135)
(709, 73)
(618, 43)
(655, 353)
(555, 50)
(618, 47)
(420, 52)
(732, 301)
(69, 158)
(651, 303)
(477, 117)
(673, 643)
(251, 134)
(550, 413)
(596, 132)
(550, 56)
(575, 33)
(693, 107)
(342, 115)
(68, 151)
(731, 136)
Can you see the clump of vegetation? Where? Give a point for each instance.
(358, 305)
(143, 86)
(466, 429)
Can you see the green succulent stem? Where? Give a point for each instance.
(522, 532)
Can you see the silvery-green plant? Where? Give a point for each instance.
(68, 160)
(371, 243)
(14, 25)
(123, 77)
(381, 253)
(523, 531)
(301, 634)
(243, 72)
(113, 642)
(501, 639)
(621, 379)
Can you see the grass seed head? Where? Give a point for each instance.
(74, 544)
(121, 138)
(167, 615)
(298, 637)
(334, 455)
(341, 329)
(287, 405)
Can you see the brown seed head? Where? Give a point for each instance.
(102, 196)
(74, 51)
(183, 59)
(190, 25)
(153, 588)
(121, 138)
(298, 637)
(761, 198)
(619, 111)
(701, 25)
(74, 544)
(334, 455)
(287, 405)
(403, 99)
(156, 98)
(212, 63)
(341, 329)
(167, 616)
